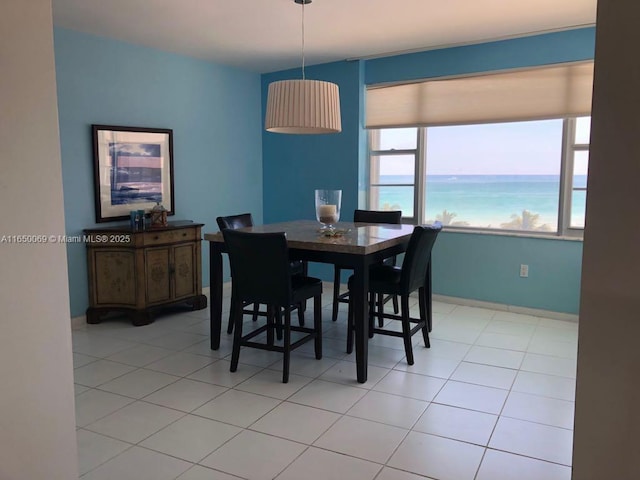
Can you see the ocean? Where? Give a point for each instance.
(487, 201)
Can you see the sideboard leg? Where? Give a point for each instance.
(140, 318)
(198, 302)
(93, 316)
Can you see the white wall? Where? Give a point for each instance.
(607, 425)
(37, 423)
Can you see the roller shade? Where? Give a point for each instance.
(546, 92)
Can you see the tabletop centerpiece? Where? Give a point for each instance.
(328, 204)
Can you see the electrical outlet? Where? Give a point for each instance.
(524, 271)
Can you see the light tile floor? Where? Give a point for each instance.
(491, 399)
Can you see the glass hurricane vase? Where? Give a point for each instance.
(328, 207)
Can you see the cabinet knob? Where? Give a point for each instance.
(184, 234)
(156, 237)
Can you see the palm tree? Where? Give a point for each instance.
(526, 221)
(388, 206)
(446, 218)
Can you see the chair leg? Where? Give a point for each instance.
(396, 308)
(406, 329)
(424, 312)
(428, 297)
(256, 309)
(270, 324)
(230, 324)
(287, 345)
(236, 313)
(350, 327)
(380, 310)
(372, 298)
(278, 318)
(317, 325)
(301, 309)
(336, 293)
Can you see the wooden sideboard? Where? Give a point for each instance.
(139, 272)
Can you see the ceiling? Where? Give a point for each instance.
(266, 35)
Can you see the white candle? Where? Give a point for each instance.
(328, 213)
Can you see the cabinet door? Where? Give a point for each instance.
(114, 277)
(157, 261)
(184, 270)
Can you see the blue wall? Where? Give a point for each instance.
(558, 47)
(214, 112)
(482, 267)
(487, 267)
(295, 165)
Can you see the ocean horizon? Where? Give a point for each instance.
(484, 201)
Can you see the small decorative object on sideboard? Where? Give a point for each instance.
(137, 219)
(158, 216)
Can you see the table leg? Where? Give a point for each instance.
(428, 291)
(215, 291)
(361, 318)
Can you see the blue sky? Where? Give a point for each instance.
(517, 148)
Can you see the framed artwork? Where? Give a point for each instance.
(133, 169)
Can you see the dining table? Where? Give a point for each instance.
(355, 246)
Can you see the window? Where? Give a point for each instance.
(526, 176)
(578, 147)
(393, 170)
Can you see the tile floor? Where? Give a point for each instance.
(492, 399)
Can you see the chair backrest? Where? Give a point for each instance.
(417, 257)
(376, 216)
(235, 221)
(260, 266)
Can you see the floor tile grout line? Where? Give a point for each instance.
(262, 368)
(111, 458)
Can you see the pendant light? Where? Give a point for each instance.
(303, 106)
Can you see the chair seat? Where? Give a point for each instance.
(305, 287)
(383, 279)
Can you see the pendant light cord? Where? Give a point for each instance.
(303, 39)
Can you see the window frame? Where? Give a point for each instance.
(568, 149)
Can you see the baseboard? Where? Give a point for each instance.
(536, 312)
(78, 322)
(81, 321)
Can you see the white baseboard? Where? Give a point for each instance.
(536, 312)
(78, 322)
(81, 321)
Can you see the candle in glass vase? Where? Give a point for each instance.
(327, 213)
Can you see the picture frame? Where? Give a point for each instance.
(133, 170)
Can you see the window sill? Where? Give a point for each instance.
(513, 233)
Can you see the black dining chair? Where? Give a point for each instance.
(366, 216)
(242, 220)
(261, 273)
(246, 220)
(233, 222)
(414, 274)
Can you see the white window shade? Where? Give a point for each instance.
(546, 92)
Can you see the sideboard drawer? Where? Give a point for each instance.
(170, 236)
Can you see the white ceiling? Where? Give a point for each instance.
(265, 35)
